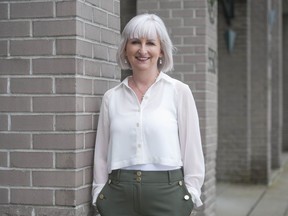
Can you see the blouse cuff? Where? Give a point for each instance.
(195, 197)
(97, 189)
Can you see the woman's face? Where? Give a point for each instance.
(143, 53)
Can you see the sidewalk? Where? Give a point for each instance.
(254, 200)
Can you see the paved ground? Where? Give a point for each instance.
(254, 200)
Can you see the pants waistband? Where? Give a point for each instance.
(146, 176)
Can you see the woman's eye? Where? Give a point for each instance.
(134, 42)
(151, 43)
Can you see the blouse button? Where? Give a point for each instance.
(186, 197)
(138, 124)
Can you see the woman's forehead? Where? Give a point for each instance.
(144, 31)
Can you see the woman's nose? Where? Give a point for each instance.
(142, 50)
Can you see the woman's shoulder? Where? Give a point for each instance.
(178, 85)
(112, 90)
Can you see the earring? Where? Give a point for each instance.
(125, 61)
(160, 61)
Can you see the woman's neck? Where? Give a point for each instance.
(145, 77)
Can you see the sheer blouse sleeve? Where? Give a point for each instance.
(190, 143)
(100, 170)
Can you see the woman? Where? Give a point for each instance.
(148, 153)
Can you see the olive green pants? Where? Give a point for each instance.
(145, 193)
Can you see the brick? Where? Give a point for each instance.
(56, 210)
(4, 196)
(31, 47)
(109, 37)
(83, 195)
(148, 5)
(85, 11)
(3, 85)
(85, 159)
(183, 31)
(15, 104)
(14, 178)
(117, 8)
(31, 85)
(107, 5)
(66, 47)
(31, 10)
(66, 160)
(194, 4)
(61, 178)
(84, 86)
(88, 176)
(54, 66)
(65, 85)
(3, 11)
(171, 5)
(195, 40)
(92, 68)
(201, 31)
(14, 66)
(92, 32)
(92, 104)
(3, 159)
(185, 50)
(32, 196)
(65, 198)
(184, 68)
(74, 47)
(66, 9)
(113, 22)
(15, 141)
(194, 59)
(100, 87)
(3, 48)
(58, 141)
(3, 122)
(112, 54)
(100, 17)
(14, 29)
(95, 121)
(73, 9)
(74, 160)
(72, 122)
(57, 28)
(201, 13)
(94, 2)
(108, 70)
(90, 140)
(100, 52)
(57, 104)
(31, 159)
(194, 22)
(31, 123)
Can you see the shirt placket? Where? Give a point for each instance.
(139, 125)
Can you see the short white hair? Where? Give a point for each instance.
(147, 26)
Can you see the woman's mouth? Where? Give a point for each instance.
(142, 59)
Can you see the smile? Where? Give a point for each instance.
(142, 58)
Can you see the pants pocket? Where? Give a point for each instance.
(115, 199)
(167, 199)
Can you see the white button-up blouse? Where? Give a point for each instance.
(163, 130)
